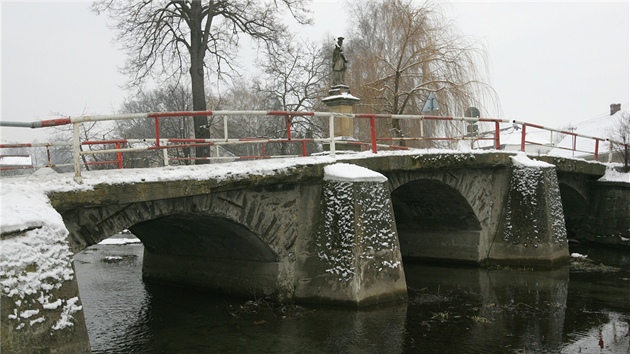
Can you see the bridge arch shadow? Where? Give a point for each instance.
(224, 245)
(575, 207)
(435, 222)
(202, 235)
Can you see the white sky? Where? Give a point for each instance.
(551, 63)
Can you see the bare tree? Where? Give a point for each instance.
(94, 136)
(169, 98)
(295, 77)
(620, 133)
(400, 53)
(172, 38)
(295, 73)
(244, 95)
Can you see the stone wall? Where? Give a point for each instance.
(608, 216)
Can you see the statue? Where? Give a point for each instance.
(338, 64)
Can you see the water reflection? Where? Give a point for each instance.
(488, 310)
(450, 309)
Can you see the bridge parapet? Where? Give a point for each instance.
(588, 168)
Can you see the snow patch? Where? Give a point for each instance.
(69, 308)
(119, 241)
(522, 160)
(52, 306)
(344, 172)
(37, 320)
(29, 313)
(343, 95)
(578, 256)
(113, 258)
(612, 175)
(38, 260)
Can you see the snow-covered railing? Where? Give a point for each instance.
(158, 143)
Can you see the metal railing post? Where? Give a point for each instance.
(373, 133)
(165, 157)
(119, 157)
(157, 131)
(497, 136)
(523, 128)
(421, 128)
(610, 152)
(596, 150)
(76, 153)
(48, 156)
(225, 128)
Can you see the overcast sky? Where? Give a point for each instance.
(551, 63)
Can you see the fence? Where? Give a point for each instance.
(492, 137)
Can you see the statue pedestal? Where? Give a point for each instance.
(340, 100)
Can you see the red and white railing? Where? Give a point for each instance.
(158, 143)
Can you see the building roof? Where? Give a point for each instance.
(600, 126)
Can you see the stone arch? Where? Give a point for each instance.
(443, 215)
(264, 214)
(575, 208)
(236, 241)
(431, 205)
(202, 235)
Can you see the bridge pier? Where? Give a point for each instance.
(354, 255)
(532, 230)
(40, 308)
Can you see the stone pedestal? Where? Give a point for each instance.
(340, 100)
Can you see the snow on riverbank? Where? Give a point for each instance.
(120, 241)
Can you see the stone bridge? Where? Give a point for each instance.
(264, 235)
(309, 234)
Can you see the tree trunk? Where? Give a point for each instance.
(396, 122)
(197, 53)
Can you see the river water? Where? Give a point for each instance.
(450, 310)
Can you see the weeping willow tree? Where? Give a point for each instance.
(400, 53)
